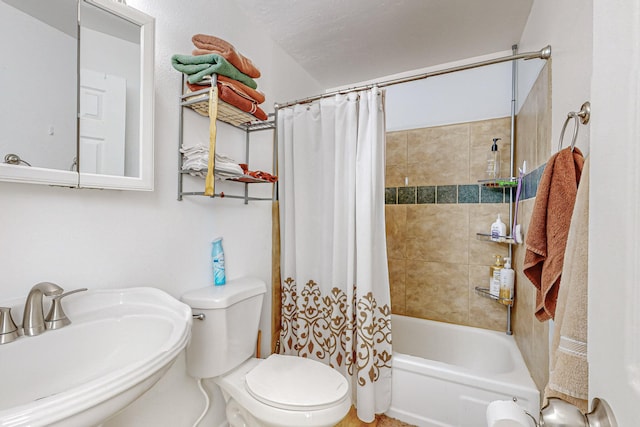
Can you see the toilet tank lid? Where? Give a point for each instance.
(236, 290)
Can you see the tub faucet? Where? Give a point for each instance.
(33, 319)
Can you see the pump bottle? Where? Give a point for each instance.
(507, 276)
(494, 276)
(493, 160)
(498, 230)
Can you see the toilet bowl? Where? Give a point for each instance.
(279, 391)
(260, 393)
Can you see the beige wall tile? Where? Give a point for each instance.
(526, 133)
(481, 140)
(481, 216)
(484, 312)
(397, 271)
(435, 259)
(394, 175)
(545, 146)
(396, 228)
(438, 233)
(439, 155)
(437, 291)
(396, 144)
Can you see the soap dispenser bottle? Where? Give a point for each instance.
(494, 276)
(498, 230)
(493, 160)
(507, 276)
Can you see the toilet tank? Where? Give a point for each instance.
(227, 335)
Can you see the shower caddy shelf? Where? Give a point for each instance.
(507, 183)
(487, 294)
(499, 182)
(199, 102)
(486, 237)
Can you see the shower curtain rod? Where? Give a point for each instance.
(544, 53)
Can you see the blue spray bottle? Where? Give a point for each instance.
(217, 257)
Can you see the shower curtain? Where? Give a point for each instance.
(335, 284)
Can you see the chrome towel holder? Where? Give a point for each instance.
(581, 116)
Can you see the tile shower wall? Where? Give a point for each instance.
(533, 136)
(434, 208)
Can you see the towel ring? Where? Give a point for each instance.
(581, 116)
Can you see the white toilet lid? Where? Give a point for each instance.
(297, 383)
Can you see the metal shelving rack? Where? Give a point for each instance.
(508, 183)
(199, 102)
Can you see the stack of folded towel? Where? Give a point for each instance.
(195, 160)
(236, 73)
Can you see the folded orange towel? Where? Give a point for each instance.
(254, 94)
(230, 95)
(227, 51)
(549, 226)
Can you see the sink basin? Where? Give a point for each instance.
(119, 344)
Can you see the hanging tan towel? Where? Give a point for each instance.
(209, 183)
(569, 376)
(222, 47)
(547, 235)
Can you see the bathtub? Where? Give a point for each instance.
(446, 375)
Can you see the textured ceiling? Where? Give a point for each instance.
(340, 42)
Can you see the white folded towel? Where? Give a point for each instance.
(196, 160)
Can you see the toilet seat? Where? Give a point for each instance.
(296, 383)
(234, 388)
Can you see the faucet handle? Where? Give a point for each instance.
(8, 328)
(56, 318)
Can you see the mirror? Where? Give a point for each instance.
(78, 109)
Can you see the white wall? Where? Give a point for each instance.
(567, 26)
(614, 210)
(111, 239)
(465, 96)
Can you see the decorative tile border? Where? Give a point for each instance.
(530, 183)
(445, 194)
(467, 193)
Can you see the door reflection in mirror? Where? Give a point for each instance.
(109, 93)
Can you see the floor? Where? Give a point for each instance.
(351, 420)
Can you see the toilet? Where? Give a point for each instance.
(279, 391)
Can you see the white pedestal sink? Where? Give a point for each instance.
(119, 344)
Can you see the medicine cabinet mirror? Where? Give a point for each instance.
(77, 94)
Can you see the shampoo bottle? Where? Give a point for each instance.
(493, 161)
(494, 277)
(506, 282)
(498, 230)
(217, 257)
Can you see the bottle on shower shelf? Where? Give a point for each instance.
(507, 276)
(493, 160)
(498, 230)
(494, 276)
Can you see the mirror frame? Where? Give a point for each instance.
(144, 182)
(147, 38)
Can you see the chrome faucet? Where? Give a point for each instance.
(8, 329)
(33, 319)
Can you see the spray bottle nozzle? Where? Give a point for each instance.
(494, 147)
